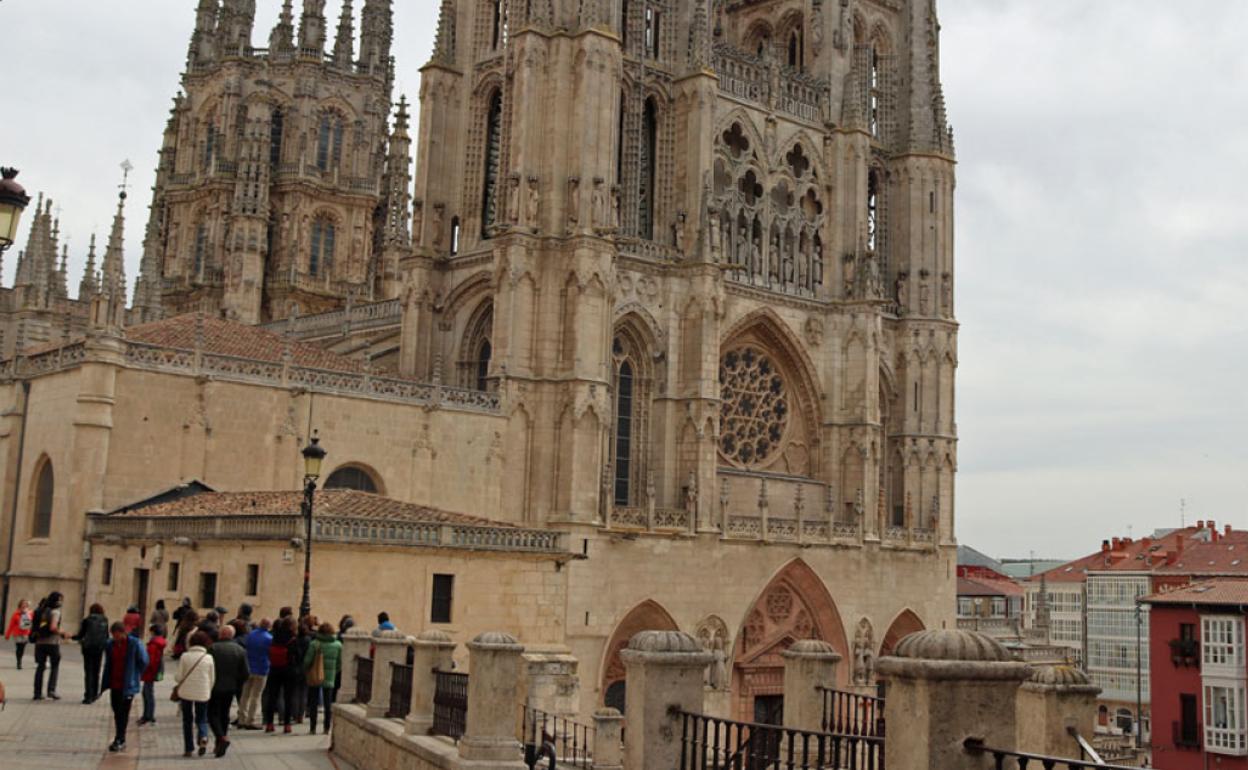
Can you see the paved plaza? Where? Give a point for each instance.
(68, 735)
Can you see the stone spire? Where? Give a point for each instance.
(344, 43)
(398, 181)
(377, 35)
(108, 306)
(282, 38)
(24, 273)
(61, 285)
(203, 39)
(36, 270)
(924, 119)
(444, 43)
(699, 38)
(90, 283)
(312, 26)
(238, 18)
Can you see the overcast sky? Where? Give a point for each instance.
(1102, 233)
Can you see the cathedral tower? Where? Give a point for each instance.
(271, 170)
(706, 248)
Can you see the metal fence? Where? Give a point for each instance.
(1008, 760)
(363, 679)
(849, 713)
(400, 690)
(450, 704)
(572, 741)
(708, 743)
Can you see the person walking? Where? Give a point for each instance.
(230, 663)
(133, 620)
(153, 673)
(19, 628)
(303, 639)
(182, 633)
(345, 624)
(182, 609)
(279, 691)
(257, 643)
(194, 681)
(322, 661)
(47, 635)
(160, 615)
(93, 638)
(125, 659)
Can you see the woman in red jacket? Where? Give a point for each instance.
(155, 671)
(19, 628)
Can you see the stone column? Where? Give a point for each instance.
(808, 665)
(355, 642)
(665, 672)
(549, 682)
(431, 650)
(493, 690)
(1055, 700)
(389, 647)
(945, 687)
(608, 728)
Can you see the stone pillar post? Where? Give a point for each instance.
(808, 665)
(1055, 700)
(355, 642)
(549, 682)
(493, 689)
(431, 650)
(389, 647)
(665, 672)
(608, 726)
(943, 688)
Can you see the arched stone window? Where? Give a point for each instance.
(324, 239)
(498, 37)
(329, 140)
(277, 127)
(478, 349)
(45, 490)
(352, 477)
(630, 416)
(648, 165)
(493, 163)
(650, 41)
(200, 250)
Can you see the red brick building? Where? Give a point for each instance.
(1199, 675)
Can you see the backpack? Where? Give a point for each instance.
(316, 673)
(43, 624)
(279, 655)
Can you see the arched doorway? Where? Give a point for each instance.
(903, 625)
(647, 616)
(794, 605)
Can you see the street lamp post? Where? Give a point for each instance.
(13, 200)
(313, 454)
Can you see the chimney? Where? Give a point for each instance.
(1212, 524)
(1104, 546)
(1200, 524)
(1227, 531)
(1147, 542)
(1117, 543)
(1178, 543)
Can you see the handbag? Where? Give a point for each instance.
(316, 674)
(173, 696)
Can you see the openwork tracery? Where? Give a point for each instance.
(755, 407)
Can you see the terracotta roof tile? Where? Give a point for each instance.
(1222, 591)
(1228, 556)
(1143, 555)
(329, 503)
(230, 338)
(986, 587)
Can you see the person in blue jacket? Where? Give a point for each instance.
(257, 644)
(125, 658)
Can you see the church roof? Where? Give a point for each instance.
(330, 503)
(231, 338)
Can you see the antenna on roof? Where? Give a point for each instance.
(1183, 512)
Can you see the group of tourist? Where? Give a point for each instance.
(279, 670)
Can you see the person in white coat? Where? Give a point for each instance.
(195, 678)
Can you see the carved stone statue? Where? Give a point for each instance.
(615, 207)
(439, 213)
(902, 290)
(691, 492)
(599, 203)
(712, 634)
(418, 219)
(773, 259)
(848, 273)
(714, 236)
(678, 233)
(574, 203)
(513, 200)
(719, 665)
(946, 294)
(864, 654)
(532, 205)
(924, 298)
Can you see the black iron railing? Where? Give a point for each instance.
(400, 690)
(363, 679)
(450, 704)
(1007, 760)
(848, 713)
(573, 742)
(708, 743)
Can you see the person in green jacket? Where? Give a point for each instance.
(322, 693)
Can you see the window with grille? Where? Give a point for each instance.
(648, 167)
(207, 589)
(329, 141)
(276, 128)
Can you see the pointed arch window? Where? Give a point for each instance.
(796, 49)
(478, 349)
(45, 488)
(875, 92)
(493, 163)
(324, 237)
(623, 431)
(210, 144)
(873, 210)
(329, 141)
(277, 127)
(650, 40)
(648, 166)
(499, 37)
(629, 418)
(201, 250)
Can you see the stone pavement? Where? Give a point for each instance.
(67, 735)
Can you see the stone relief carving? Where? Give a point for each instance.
(712, 633)
(864, 654)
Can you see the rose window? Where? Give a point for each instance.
(755, 406)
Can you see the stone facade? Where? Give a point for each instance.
(677, 283)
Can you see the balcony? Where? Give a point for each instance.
(1185, 652)
(1185, 735)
